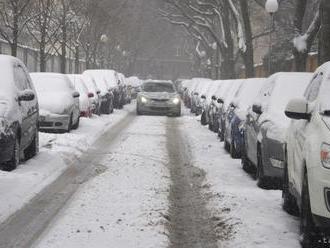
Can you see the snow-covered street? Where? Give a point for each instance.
(156, 182)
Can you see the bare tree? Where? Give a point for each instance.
(13, 21)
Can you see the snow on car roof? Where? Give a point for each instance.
(248, 92)
(99, 77)
(51, 82)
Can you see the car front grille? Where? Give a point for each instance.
(159, 100)
(45, 124)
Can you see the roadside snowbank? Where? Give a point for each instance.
(253, 216)
(57, 151)
(126, 205)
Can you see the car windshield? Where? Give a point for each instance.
(158, 87)
(51, 83)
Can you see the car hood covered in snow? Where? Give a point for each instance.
(56, 103)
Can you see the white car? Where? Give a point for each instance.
(96, 99)
(58, 102)
(307, 171)
(85, 100)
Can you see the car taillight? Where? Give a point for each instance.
(90, 95)
(325, 155)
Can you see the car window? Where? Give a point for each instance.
(158, 87)
(21, 79)
(314, 88)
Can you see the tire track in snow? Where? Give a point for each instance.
(190, 221)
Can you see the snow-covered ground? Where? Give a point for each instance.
(126, 206)
(57, 152)
(254, 217)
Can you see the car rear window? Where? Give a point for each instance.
(158, 87)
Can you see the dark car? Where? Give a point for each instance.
(236, 115)
(19, 112)
(266, 126)
(106, 95)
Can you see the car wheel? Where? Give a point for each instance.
(227, 146)
(307, 227)
(33, 149)
(289, 201)
(233, 151)
(261, 179)
(138, 112)
(70, 124)
(14, 162)
(246, 164)
(76, 125)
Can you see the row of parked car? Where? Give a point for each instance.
(280, 128)
(51, 102)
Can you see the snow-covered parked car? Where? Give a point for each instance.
(158, 97)
(19, 138)
(228, 95)
(58, 100)
(306, 181)
(106, 94)
(96, 99)
(236, 115)
(266, 126)
(85, 98)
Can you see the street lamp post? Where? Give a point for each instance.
(271, 7)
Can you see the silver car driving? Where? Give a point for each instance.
(158, 97)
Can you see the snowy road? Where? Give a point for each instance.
(153, 181)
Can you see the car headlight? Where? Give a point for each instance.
(144, 99)
(176, 101)
(325, 155)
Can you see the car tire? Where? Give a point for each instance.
(70, 124)
(138, 112)
(76, 125)
(15, 160)
(227, 146)
(307, 227)
(246, 164)
(233, 151)
(289, 201)
(261, 179)
(33, 148)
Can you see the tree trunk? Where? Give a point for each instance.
(14, 44)
(228, 64)
(325, 31)
(63, 45)
(77, 62)
(248, 55)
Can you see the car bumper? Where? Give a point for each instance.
(159, 108)
(7, 143)
(54, 122)
(319, 193)
(273, 156)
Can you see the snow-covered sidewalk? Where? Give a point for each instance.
(57, 152)
(126, 205)
(250, 216)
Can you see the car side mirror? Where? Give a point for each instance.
(297, 109)
(90, 95)
(256, 108)
(98, 92)
(26, 96)
(203, 97)
(75, 94)
(214, 98)
(220, 100)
